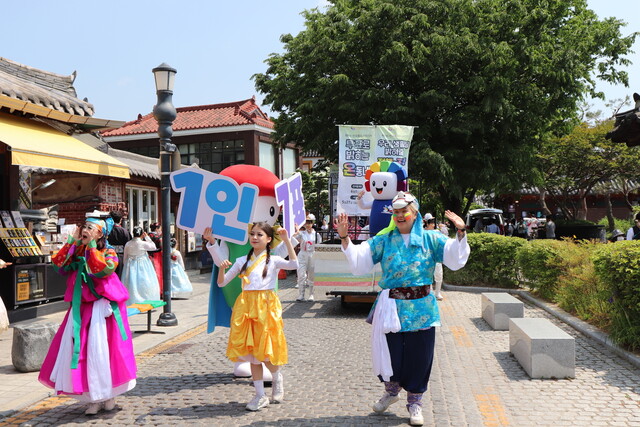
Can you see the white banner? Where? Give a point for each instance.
(360, 147)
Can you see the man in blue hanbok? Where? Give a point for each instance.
(405, 312)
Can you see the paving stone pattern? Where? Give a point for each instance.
(475, 381)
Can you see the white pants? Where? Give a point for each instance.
(306, 272)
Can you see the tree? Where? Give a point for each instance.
(482, 79)
(574, 165)
(315, 187)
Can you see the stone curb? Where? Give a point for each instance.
(577, 324)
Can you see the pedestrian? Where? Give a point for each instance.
(633, 233)
(550, 228)
(493, 227)
(139, 275)
(257, 330)
(91, 356)
(437, 273)
(156, 254)
(308, 238)
(511, 227)
(403, 357)
(180, 284)
(118, 237)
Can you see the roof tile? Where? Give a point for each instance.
(237, 113)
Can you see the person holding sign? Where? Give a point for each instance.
(91, 356)
(405, 312)
(257, 330)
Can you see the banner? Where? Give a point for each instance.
(361, 146)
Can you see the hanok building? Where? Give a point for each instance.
(44, 162)
(213, 137)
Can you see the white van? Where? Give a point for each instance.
(485, 216)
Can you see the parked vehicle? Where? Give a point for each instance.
(485, 216)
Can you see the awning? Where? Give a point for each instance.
(36, 144)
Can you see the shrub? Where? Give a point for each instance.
(579, 290)
(490, 263)
(620, 224)
(540, 264)
(618, 266)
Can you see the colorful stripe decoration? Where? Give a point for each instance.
(385, 166)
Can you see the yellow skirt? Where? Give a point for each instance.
(257, 329)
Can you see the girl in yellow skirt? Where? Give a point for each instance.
(257, 331)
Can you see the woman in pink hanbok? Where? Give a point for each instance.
(91, 356)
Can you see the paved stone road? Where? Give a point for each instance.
(328, 381)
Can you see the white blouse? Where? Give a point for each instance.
(138, 247)
(456, 254)
(256, 281)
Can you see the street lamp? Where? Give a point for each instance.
(165, 114)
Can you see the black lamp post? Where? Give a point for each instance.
(165, 114)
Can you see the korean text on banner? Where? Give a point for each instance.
(289, 196)
(211, 200)
(360, 147)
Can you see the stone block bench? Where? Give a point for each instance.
(542, 349)
(30, 345)
(499, 307)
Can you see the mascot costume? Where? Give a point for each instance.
(383, 181)
(221, 300)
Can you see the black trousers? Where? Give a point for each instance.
(412, 358)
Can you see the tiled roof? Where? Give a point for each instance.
(238, 113)
(43, 88)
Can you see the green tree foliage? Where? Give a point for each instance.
(482, 80)
(573, 165)
(315, 187)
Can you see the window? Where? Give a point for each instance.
(288, 162)
(142, 204)
(268, 157)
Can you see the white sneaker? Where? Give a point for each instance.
(415, 415)
(110, 405)
(93, 408)
(277, 387)
(439, 297)
(258, 402)
(300, 299)
(310, 298)
(385, 401)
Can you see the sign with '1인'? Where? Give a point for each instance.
(208, 199)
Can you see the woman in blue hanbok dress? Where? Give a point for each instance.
(180, 283)
(138, 274)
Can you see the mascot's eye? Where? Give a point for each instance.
(373, 183)
(384, 183)
(272, 211)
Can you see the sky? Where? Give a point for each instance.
(216, 46)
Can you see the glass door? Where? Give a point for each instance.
(142, 207)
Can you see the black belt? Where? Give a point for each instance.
(410, 292)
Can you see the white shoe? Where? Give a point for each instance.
(385, 401)
(439, 297)
(258, 402)
(277, 387)
(296, 286)
(93, 408)
(310, 298)
(415, 415)
(300, 299)
(110, 405)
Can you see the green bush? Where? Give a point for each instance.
(618, 266)
(490, 263)
(579, 289)
(540, 263)
(572, 222)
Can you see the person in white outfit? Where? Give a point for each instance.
(308, 237)
(138, 274)
(430, 224)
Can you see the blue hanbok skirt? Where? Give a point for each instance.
(140, 278)
(180, 283)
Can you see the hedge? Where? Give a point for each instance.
(491, 262)
(618, 266)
